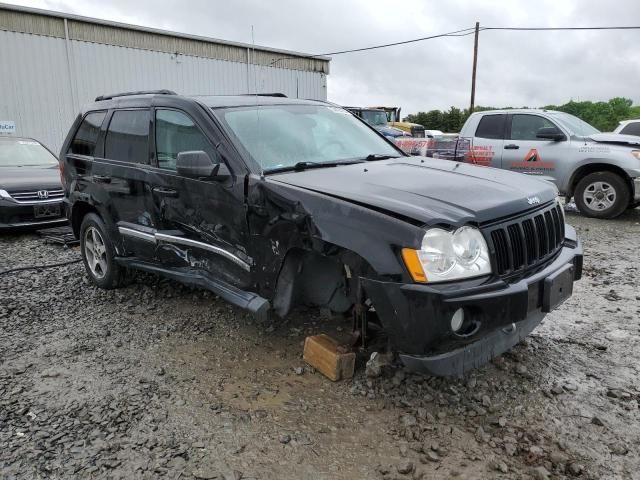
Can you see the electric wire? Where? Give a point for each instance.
(456, 33)
(40, 267)
(628, 27)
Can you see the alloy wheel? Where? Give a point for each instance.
(96, 252)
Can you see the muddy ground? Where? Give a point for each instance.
(157, 380)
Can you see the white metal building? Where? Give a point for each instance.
(52, 63)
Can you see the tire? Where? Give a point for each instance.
(98, 253)
(602, 195)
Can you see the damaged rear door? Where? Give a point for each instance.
(201, 221)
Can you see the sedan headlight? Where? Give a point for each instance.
(636, 153)
(4, 194)
(446, 256)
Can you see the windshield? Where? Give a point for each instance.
(575, 125)
(24, 153)
(281, 136)
(374, 117)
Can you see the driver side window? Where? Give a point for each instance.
(526, 127)
(175, 133)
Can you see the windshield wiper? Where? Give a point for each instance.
(300, 166)
(378, 156)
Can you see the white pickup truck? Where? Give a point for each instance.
(600, 170)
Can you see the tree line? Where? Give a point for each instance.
(602, 115)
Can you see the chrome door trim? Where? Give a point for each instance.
(163, 237)
(131, 232)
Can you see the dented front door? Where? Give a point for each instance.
(201, 222)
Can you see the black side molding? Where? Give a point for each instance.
(249, 301)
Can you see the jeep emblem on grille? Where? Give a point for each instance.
(533, 200)
(43, 194)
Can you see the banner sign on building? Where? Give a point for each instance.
(7, 127)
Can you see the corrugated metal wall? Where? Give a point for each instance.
(34, 87)
(43, 83)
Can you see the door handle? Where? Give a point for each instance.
(511, 146)
(165, 192)
(101, 179)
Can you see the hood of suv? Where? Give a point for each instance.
(618, 138)
(427, 190)
(30, 178)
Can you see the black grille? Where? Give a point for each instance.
(528, 241)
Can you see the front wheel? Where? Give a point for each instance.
(602, 195)
(98, 253)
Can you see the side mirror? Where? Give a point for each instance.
(198, 164)
(550, 133)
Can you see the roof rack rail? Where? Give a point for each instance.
(275, 94)
(141, 92)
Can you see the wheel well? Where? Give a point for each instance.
(80, 209)
(328, 279)
(597, 167)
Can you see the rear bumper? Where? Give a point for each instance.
(498, 315)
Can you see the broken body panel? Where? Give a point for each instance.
(330, 237)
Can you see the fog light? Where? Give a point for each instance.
(457, 320)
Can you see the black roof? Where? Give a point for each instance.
(133, 100)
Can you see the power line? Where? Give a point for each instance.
(459, 33)
(560, 28)
(455, 33)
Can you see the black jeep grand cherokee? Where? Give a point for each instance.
(270, 202)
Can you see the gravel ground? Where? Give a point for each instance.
(157, 380)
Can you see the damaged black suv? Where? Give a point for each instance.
(271, 202)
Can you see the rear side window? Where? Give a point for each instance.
(84, 143)
(175, 133)
(491, 126)
(128, 136)
(631, 129)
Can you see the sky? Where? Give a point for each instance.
(514, 68)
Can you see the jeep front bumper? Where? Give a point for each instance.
(498, 314)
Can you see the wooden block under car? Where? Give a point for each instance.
(323, 353)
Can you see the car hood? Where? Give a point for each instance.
(427, 190)
(616, 138)
(391, 132)
(30, 178)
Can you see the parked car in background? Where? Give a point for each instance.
(30, 188)
(433, 133)
(275, 202)
(378, 120)
(435, 145)
(601, 171)
(395, 120)
(629, 127)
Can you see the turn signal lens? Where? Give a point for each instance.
(61, 171)
(414, 265)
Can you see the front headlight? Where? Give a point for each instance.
(636, 153)
(4, 194)
(446, 256)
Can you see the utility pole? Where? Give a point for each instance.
(475, 63)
